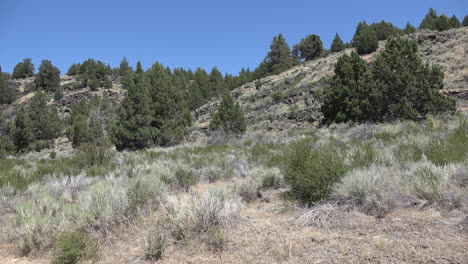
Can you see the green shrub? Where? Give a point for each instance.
(311, 172)
(425, 184)
(73, 247)
(185, 178)
(258, 84)
(453, 149)
(53, 155)
(155, 245)
(408, 152)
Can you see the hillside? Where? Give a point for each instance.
(290, 98)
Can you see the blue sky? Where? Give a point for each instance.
(189, 34)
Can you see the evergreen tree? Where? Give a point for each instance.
(124, 68)
(443, 23)
(7, 93)
(310, 47)
(23, 134)
(454, 22)
(365, 39)
(6, 141)
(48, 77)
(409, 87)
(170, 114)
(139, 72)
(23, 69)
(384, 30)
(409, 29)
(46, 124)
(430, 20)
(133, 129)
(216, 81)
(73, 70)
(278, 59)
(350, 95)
(229, 117)
(465, 22)
(337, 44)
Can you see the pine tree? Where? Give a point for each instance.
(443, 23)
(6, 141)
(124, 69)
(409, 29)
(216, 81)
(170, 113)
(23, 69)
(46, 124)
(23, 134)
(454, 22)
(409, 87)
(337, 44)
(229, 117)
(48, 77)
(133, 129)
(7, 93)
(465, 22)
(430, 20)
(278, 59)
(365, 39)
(310, 47)
(384, 30)
(350, 95)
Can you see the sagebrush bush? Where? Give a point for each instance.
(311, 171)
(248, 190)
(74, 247)
(185, 178)
(452, 149)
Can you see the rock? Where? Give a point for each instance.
(265, 200)
(421, 245)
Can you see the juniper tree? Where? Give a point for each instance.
(124, 68)
(7, 93)
(23, 134)
(23, 69)
(170, 113)
(337, 44)
(409, 88)
(277, 60)
(365, 39)
(409, 29)
(350, 95)
(384, 30)
(430, 20)
(465, 22)
(46, 124)
(48, 76)
(133, 127)
(310, 47)
(229, 117)
(454, 22)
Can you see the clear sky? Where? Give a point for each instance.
(189, 34)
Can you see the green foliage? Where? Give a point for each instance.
(258, 84)
(399, 86)
(409, 88)
(440, 23)
(23, 69)
(277, 60)
(7, 93)
(365, 40)
(310, 47)
(46, 124)
(23, 134)
(409, 29)
(93, 154)
(450, 150)
(384, 30)
(91, 73)
(124, 68)
(337, 44)
(465, 22)
(6, 137)
(170, 115)
(90, 121)
(58, 94)
(185, 178)
(133, 127)
(312, 170)
(155, 245)
(48, 77)
(350, 94)
(74, 247)
(229, 117)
